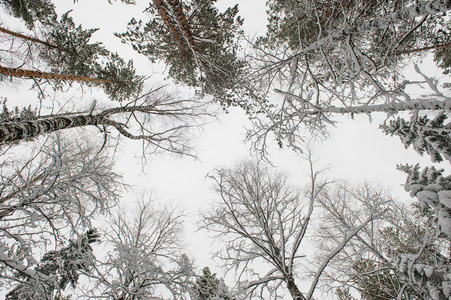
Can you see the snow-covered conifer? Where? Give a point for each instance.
(425, 135)
(432, 190)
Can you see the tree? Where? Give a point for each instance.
(426, 135)
(30, 11)
(69, 56)
(197, 42)
(443, 55)
(334, 67)
(432, 190)
(146, 262)
(60, 267)
(370, 263)
(208, 287)
(48, 196)
(262, 222)
(157, 119)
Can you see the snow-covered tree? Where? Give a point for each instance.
(57, 269)
(263, 222)
(433, 190)
(336, 57)
(432, 136)
(370, 263)
(161, 121)
(147, 260)
(209, 287)
(48, 196)
(30, 11)
(63, 53)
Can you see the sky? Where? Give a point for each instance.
(356, 150)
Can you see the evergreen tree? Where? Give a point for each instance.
(443, 55)
(197, 42)
(59, 267)
(68, 54)
(425, 135)
(433, 190)
(30, 11)
(208, 287)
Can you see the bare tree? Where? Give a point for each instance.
(398, 256)
(147, 262)
(263, 222)
(161, 121)
(48, 197)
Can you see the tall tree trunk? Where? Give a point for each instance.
(38, 74)
(167, 21)
(181, 20)
(14, 131)
(28, 38)
(424, 49)
(293, 289)
(390, 107)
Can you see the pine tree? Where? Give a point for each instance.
(425, 135)
(208, 287)
(30, 11)
(60, 268)
(70, 56)
(433, 190)
(196, 41)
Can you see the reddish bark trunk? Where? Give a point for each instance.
(28, 38)
(38, 74)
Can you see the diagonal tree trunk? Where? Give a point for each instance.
(28, 38)
(38, 74)
(181, 20)
(15, 131)
(424, 49)
(168, 22)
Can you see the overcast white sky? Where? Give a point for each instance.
(356, 151)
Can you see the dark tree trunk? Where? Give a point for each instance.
(293, 289)
(15, 131)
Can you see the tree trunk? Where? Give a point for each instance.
(293, 289)
(424, 49)
(14, 131)
(38, 74)
(389, 107)
(28, 38)
(167, 21)
(181, 20)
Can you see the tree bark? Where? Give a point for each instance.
(424, 49)
(38, 74)
(293, 289)
(14, 131)
(167, 21)
(28, 38)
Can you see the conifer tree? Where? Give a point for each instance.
(433, 190)
(196, 41)
(432, 136)
(30, 11)
(69, 55)
(57, 269)
(209, 287)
